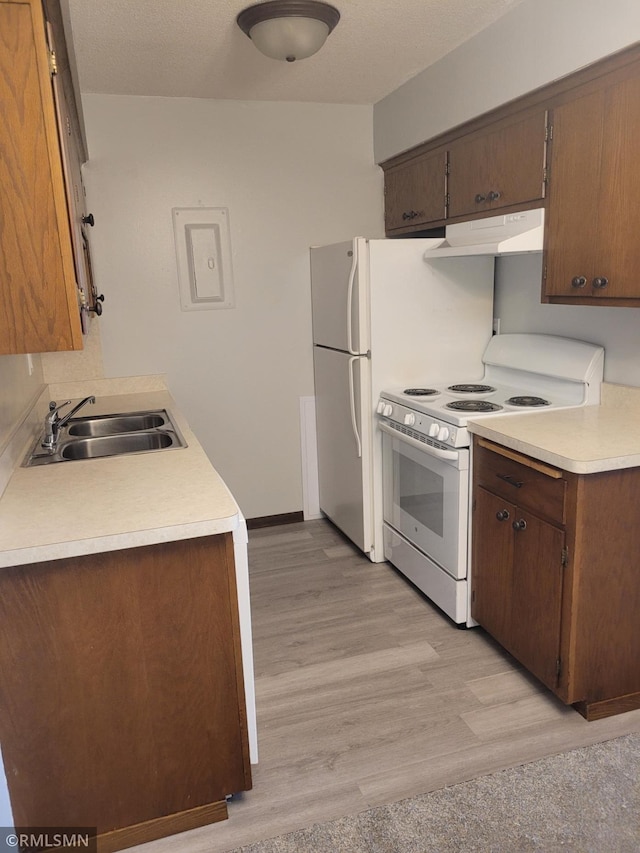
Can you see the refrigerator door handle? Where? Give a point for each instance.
(352, 406)
(352, 278)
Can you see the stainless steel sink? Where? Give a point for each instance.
(116, 424)
(110, 435)
(116, 445)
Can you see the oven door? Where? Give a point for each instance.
(425, 496)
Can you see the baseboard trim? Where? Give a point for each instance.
(274, 520)
(152, 830)
(608, 707)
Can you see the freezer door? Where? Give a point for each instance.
(339, 296)
(343, 425)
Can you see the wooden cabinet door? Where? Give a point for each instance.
(517, 582)
(537, 595)
(38, 298)
(498, 168)
(415, 193)
(491, 598)
(121, 693)
(593, 221)
(76, 204)
(617, 251)
(571, 222)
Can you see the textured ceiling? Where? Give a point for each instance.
(194, 48)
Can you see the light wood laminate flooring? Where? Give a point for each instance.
(367, 694)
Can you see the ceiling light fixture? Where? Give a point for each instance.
(288, 29)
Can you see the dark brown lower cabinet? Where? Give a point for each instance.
(121, 690)
(556, 574)
(526, 620)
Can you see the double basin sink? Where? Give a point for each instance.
(110, 435)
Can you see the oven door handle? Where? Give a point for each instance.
(446, 455)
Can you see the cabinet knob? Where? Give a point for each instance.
(97, 308)
(578, 281)
(494, 195)
(480, 198)
(502, 514)
(89, 220)
(600, 282)
(519, 525)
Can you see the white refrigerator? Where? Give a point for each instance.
(384, 317)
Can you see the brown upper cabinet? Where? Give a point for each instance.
(570, 147)
(593, 218)
(80, 220)
(415, 192)
(498, 167)
(39, 305)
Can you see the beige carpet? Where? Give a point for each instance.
(583, 801)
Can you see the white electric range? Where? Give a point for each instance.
(426, 469)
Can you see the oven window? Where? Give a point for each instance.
(421, 494)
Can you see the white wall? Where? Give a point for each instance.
(536, 42)
(291, 175)
(18, 391)
(517, 304)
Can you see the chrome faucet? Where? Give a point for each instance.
(53, 423)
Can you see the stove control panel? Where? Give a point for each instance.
(421, 424)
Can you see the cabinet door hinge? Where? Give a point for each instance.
(548, 133)
(564, 558)
(53, 63)
(446, 200)
(544, 273)
(447, 168)
(546, 175)
(473, 596)
(558, 667)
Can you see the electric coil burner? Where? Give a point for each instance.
(420, 392)
(473, 406)
(470, 388)
(526, 400)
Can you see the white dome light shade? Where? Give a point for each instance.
(288, 29)
(289, 38)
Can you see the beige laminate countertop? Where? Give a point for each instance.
(584, 440)
(88, 506)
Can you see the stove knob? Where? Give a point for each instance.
(380, 407)
(387, 410)
(409, 419)
(443, 434)
(434, 429)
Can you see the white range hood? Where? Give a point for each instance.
(509, 234)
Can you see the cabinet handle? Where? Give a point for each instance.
(410, 214)
(511, 480)
(480, 198)
(578, 281)
(494, 195)
(600, 282)
(502, 514)
(519, 525)
(89, 220)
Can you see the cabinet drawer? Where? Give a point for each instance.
(520, 480)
